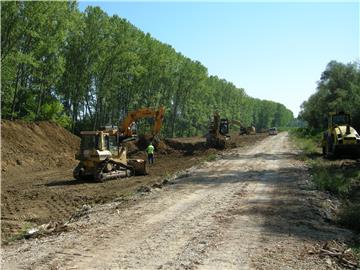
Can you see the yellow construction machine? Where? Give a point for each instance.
(243, 130)
(218, 132)
(340, 138)
(103, 153)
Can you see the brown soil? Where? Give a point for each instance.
(35, 146)
(252, 208)
(37, 162)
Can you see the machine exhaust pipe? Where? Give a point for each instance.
(347, 129)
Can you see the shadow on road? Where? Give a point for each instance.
(287, 205)
(70, 182)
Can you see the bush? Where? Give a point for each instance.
(328, 179)
(350, 217)
(54, 111)
(307, 139)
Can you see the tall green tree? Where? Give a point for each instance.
(338, 90)
(88, 69)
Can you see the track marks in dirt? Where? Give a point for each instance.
(187, 228)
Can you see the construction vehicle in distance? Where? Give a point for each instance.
(340, 138)
(243, 130)
(218, 132)
(273, 131)
(103, 153)
(250, 130)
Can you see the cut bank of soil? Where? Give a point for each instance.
(34, 147)
(39, 187)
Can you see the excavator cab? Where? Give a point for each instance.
(224, 126)
(218, 132)
(340, 119)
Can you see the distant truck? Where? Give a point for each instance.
(273, 131)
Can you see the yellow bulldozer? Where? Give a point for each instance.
(340, 138)
(103, 153)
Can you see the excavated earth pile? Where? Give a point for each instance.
(37, 185)
(35, 146)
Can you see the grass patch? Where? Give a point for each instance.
(349, 217)
(211, 157)
(168, 176)
(340, 178)
(307, 140)
(356, 248)
(21, 234)
(333, 178)
(343, 182)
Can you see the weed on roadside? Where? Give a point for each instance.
(210, 158)
(332, 179)
(21, 234)
(349, 217)
(340, 178)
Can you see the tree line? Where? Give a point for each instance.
(87, 69)
(338, 90)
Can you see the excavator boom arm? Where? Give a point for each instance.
(235, 122)
(158, 115)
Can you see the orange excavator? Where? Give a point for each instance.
(126, 129)
(103, 153)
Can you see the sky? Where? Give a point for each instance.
(275, 51)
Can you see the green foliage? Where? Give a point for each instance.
(355, 245)
(331, 179)
(210, 158)
(349, 217)
(325, 175)
(331, 176)
(21, 233)
(54, 111)
(307, 140)
(100, 67)
(337, 90)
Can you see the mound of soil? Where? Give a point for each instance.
(143, 141)
(188, 145)
(36, 146)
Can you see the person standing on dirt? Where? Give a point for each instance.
(150, 153)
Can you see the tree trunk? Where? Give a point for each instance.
(39, 103)
(15, 92)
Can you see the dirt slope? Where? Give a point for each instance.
(35, 146)
(251, 209)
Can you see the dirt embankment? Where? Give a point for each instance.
(34, 147)
(37, 162)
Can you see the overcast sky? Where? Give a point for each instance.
(275, 51)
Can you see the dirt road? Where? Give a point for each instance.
(251, 209)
